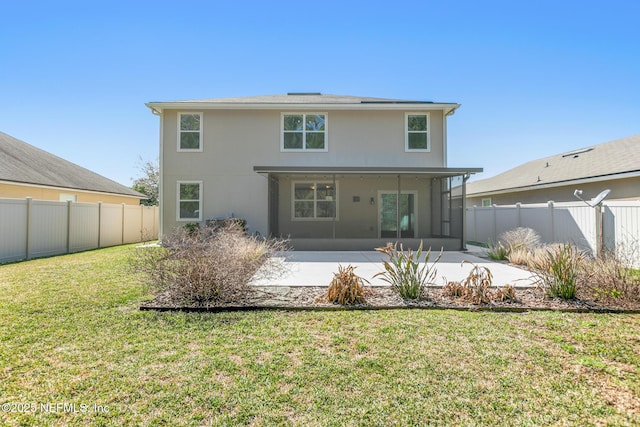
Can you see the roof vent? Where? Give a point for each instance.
(576, 153)
(304, 93)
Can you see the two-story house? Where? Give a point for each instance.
(329, 172)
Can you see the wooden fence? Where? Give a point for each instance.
(39, 228)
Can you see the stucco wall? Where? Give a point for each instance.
(236, 141)
(41, 193)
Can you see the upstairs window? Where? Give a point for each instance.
(304, 132)
(417, 132)
(189, 131)
(314, 200)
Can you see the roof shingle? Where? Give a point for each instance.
(23, 163)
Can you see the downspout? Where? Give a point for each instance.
(463, 237)
(161, 176)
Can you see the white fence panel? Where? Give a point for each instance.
(150, 223)
(36, 228)
(85, 226)
(564, 222)
(13, 229)
(110, 225)
(132, 223)
(48, 228)
(621, 230)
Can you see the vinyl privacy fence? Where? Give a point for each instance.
(39, 228)
(611, 226)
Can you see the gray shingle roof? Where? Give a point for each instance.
(23, 163)
(302, 98)
(603, 161)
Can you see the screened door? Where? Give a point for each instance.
(389, 218)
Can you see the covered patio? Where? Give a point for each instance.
(360, 208)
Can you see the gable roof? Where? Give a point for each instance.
(25, 164)
(304, 100)
(610, 160)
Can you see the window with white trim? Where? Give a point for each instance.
(189, 203)
(314, 200)
(304, 132)
(486, 202)
(417, 132)
(189, 131)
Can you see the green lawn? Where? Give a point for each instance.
(71, 334)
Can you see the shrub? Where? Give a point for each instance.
(520, 238)
(609, 278)
(519, 256)
(506, 293)
(477, 284)
(475, 288)
(404, 273)
(346, 287)
(205, 266)
(557, 270)
(497, 251)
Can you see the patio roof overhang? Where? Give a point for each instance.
(366, 170)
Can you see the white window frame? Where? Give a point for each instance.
(178, 200)
(406, 132)
(304, 148)
(488, 199)
(200, 133)
(315, 200)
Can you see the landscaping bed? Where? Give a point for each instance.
(380, 298)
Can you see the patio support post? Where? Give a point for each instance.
(398, 232)
(463, 242)
(335, 204)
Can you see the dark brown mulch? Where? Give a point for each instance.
(380, 298)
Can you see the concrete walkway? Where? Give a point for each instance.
(309, 268)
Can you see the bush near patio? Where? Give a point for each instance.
(208, 265)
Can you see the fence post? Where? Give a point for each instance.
(518, 214)
(28, 246)
(599, 231)
(68, 226)
(553, 228)
(141, 223)
(122, 227)
(495, 223)
(99, 224)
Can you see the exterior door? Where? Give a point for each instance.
(389, 216)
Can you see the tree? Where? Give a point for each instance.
(149, 182)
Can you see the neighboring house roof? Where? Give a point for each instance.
(610, 160)
(23, 163)
(304, 100)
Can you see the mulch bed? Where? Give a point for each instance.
(381, 298)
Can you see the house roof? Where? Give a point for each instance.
(304, 100)
(23, 163)
(610, 160)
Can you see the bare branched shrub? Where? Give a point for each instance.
(205, 266)
(520, 237)
(506, 293)
(474, 289)
(346, 287)
(609, 278)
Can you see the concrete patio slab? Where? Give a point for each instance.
(311, 268)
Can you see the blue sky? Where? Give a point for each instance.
(534, 78)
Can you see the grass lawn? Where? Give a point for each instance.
(71, 334)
